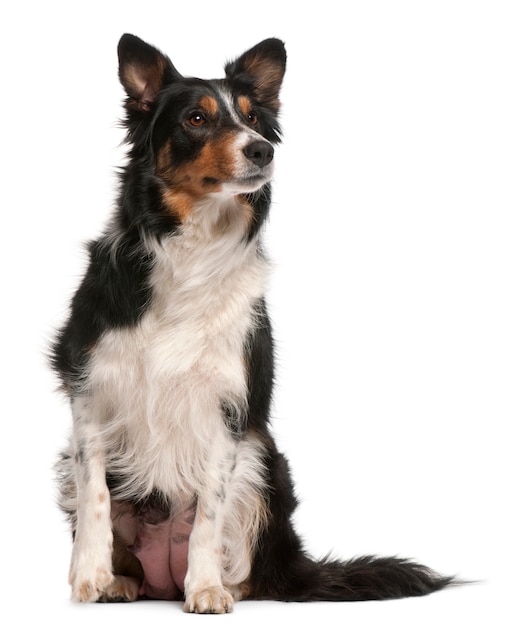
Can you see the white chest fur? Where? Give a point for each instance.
(158, 388)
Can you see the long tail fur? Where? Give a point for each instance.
(362, 578)
(283, 571)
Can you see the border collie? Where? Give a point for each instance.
(172, 481)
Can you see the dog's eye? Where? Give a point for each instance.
(197, 119)
(252, 117)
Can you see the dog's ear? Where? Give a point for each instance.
(143, 71)
(262, 69)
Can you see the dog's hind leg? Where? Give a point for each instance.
(91, 565)
(128, 574)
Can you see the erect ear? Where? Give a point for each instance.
(143, 71)
(262, 68)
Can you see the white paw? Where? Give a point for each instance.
(90, 575)
(209, 600)
(88, 587)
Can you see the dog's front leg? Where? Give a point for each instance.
(204, 591)
(91, 564)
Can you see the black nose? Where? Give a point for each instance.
(259, 152)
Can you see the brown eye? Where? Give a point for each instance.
(197, 119)
(252, 117)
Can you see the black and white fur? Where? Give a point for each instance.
(167, 355)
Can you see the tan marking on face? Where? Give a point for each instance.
(244, 105)
(191, 182)
(209, 105)
(163, 161)
(216, 160)
(178, 203)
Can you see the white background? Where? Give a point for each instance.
(395, 236)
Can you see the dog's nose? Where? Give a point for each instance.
(259, 152)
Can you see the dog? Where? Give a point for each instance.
(172, 481)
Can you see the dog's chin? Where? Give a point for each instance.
(247, 184)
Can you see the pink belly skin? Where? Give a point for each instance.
(162, 549)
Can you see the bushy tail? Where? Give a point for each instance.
(362, 578)
(282, 570)
(375, 578)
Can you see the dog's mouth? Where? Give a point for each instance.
(252, 178)
(247, 184)
(256, 180)
(241, 184)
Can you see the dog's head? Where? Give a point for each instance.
(203, 136)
